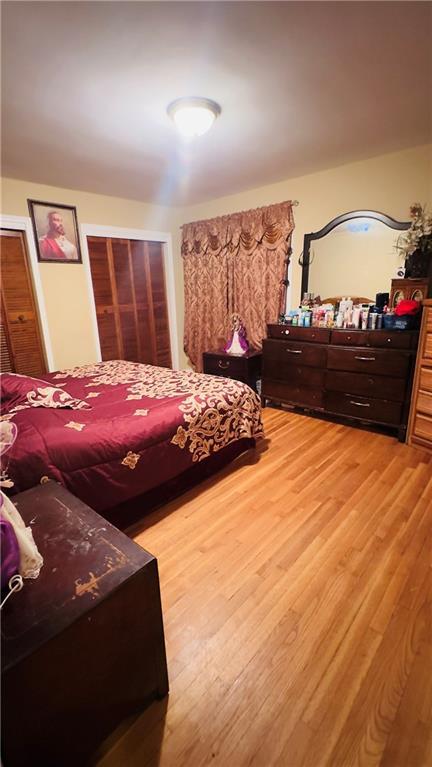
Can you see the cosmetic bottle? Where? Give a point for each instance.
(373, 319)
(379, 323)
(364, 318)
(356, 317)
(339, 319)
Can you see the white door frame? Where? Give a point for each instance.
(97, 230)
(23, 224)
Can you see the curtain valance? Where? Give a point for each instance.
(271, 225)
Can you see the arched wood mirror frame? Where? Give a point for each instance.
(310, 236)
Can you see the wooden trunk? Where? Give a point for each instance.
(83, 644)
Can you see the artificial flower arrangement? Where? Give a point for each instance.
(415, 244)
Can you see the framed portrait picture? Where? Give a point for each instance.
(56, 232)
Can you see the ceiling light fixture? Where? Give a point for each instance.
(193, 116)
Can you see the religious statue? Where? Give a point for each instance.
(238, 343)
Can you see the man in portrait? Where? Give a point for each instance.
(55, 244)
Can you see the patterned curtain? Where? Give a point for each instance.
(234, 263)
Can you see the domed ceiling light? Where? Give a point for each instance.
(193, 116)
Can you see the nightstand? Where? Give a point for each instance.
(241, 367)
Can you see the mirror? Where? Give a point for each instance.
(353, 255)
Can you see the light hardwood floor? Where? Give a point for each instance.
(297, 604)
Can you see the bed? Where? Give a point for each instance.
(116, 432)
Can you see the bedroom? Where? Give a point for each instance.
(291, 531)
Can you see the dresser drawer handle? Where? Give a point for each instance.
(223, 365)
(368, 359)
(359, 404)
(294, 351)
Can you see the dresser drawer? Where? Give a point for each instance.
(425, 381)
(369, 386)
(366, 408)
(285, 370)
(312, 335)
(293, 353)
(297, 395)
(349, 337)
(422, 427)
(424, 402)
(392, 339)
(364, 360)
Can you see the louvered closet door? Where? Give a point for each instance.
(21, 340)
(129, 288)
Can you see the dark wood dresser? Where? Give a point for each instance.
(83, 644)
(366, 375)
(242, 367)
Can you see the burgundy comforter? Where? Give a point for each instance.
(145, 426)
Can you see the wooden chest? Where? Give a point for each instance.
(364, 375)
(83, 644)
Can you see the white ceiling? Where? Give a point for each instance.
(303, 86)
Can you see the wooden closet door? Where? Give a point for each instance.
(123, 291)
(21, 340)
(105, 304)
(129, 289)
(159, 303)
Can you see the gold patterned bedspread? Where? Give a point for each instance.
(146, 424)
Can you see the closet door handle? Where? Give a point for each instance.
(21, 318)
(223, 365)
(359, 404)
(369, 359)
(294, 351)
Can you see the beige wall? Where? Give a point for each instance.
(389, 183)
(64, 286)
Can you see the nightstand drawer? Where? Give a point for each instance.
(240, 367)
(222, 366)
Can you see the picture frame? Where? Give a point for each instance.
(55, 228)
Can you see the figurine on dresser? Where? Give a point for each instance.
(238, 343)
